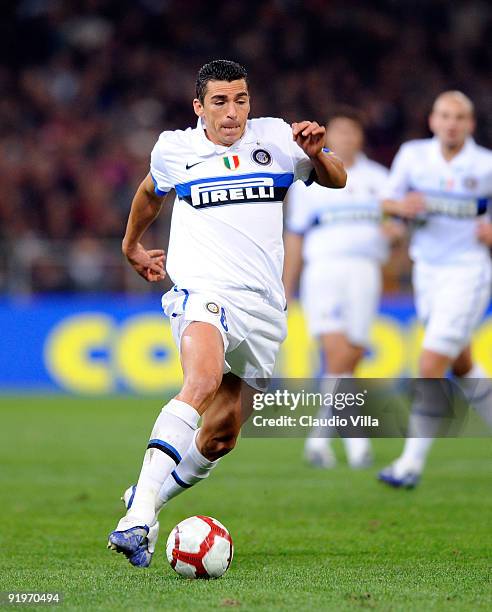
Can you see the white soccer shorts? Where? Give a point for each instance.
(342, 295)
(451, 301)
(251, 328)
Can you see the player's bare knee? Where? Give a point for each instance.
(356, 355)
(343, 362)
(433, 365)
(427, 369)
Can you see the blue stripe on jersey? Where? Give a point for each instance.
(369, 212)
(279, 180)
(158, 191)
(482, 202)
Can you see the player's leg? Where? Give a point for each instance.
(475, 384)
(202, 358)
(341, 358)
(322, 295)
(452, 301)
(429, 289)
(364, 287)
(216, 437)
(424, 422)
(260, 329)
(472, 379)
(345, 332)
(340, 353)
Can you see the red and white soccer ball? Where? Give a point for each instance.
(199, 547)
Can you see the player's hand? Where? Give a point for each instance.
(411, 205)
(393, 230)
(149, 264)
(310, 136)
(484, 232)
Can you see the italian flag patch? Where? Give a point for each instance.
(231, 162)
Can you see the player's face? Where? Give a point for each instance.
(225, 110)
(451, 121)
(344, 137)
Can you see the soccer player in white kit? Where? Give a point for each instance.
(444, 184)
(336, 239)
(225, 256)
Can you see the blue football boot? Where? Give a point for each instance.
(136, 543)
(406, 480)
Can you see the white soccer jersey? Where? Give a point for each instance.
(341, 222)
(456, 194)
(226, 228)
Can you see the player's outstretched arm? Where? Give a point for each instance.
(310, 136)
(145, 208)
(292, 263)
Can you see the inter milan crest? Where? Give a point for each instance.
(212, 307)
(231, 162)
(262, 157)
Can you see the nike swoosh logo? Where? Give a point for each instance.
(188, 166)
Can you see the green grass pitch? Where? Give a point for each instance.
(304, 539)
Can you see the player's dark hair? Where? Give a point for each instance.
(218, 70)
(347, 112)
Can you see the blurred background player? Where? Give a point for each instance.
(336, 239)
(445, 184)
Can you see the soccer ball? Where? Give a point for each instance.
(199, 547)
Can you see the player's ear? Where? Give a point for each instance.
(198, 107)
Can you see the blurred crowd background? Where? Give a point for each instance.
(88, 85)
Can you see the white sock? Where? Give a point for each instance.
(430, 411)
(357, 449)
(477, 389)
(413, 457)
(170, 438)
(423, 427)
(319, 437)
(193, 468)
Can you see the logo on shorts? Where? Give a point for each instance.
(212, 307)
(262, 157)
